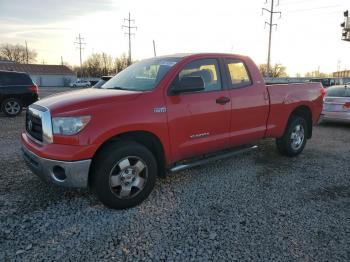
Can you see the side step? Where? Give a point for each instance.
(212, 157)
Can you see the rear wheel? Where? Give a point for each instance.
(124, 174)
(11, 107)
(293, 141)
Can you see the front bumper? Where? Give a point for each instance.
(62, 173)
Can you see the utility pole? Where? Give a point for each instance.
(270, 24)
(27, 52)
(154, 48)
(80, 44)
(61, 60)
(104, 63)
(129, 33)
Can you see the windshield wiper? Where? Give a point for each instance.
(118, 88)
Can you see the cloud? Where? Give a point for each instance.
(48, 11)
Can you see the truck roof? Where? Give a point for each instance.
(183, 55)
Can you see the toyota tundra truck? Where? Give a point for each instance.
(163, 115)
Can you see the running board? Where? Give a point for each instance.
(221, 155)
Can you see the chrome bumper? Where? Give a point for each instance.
(62, 173)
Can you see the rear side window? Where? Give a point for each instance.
(238, 73)
(207, 69)
(338, 92)
(14, 79)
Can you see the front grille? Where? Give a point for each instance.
(34, 126)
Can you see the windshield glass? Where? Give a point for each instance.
(142, 76)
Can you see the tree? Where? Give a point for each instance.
(17, 53)
(317, 73)
(99, 64)
(121, 63)
(276, 70)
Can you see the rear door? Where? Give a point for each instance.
(199, 122)
(250, 103)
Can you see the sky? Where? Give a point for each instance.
(307, 38)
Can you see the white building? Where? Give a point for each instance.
(43, 75)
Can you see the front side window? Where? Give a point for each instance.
(238, 73)
(142, 76)
(207, 69)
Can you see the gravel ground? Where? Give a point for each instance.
(259, 206)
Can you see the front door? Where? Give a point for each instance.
(199, 122)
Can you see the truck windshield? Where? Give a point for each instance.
(142, 76)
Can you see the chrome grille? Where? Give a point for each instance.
(34, 126)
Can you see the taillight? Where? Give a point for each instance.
(323, 92)
(346, 105)
(34, 88)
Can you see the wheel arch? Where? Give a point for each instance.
(145, 138)
(304, 112)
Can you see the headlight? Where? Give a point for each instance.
(69, 125)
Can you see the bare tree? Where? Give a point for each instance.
(121, 63)
(276, 70)
(316, 73)
(99, 64)
(17, 53)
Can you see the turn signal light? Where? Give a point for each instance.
(323, 92)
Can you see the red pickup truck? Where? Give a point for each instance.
(161, 115)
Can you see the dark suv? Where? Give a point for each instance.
(17, 90)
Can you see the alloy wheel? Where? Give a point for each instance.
(128, 177)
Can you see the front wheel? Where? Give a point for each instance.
(124, 174)
(293, 141)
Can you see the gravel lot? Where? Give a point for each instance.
(255, 207)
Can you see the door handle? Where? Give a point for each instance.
(223, 100)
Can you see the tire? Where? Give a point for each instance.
(293, 141)
(11, 107)
(123, 174)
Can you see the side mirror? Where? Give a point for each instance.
(189, 84)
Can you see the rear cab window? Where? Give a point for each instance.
(238, 73)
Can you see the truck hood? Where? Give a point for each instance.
(80, 100)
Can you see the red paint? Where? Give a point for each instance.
(254, 112)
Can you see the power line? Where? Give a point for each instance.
(312, 9)
(80, 44)
(270, 24)
(129, 33)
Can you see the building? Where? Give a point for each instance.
(344, 73)
(43, 75)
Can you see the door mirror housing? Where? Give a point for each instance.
(189, 84)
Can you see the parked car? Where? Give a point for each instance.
(17, 90)
(163, 115)
(336, 105)
(102, 81)
(80, 83)
(328, 81)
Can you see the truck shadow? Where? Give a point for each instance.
(270, 163)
